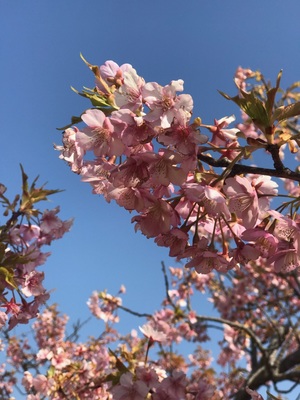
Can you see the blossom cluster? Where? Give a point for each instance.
(141, 147)
(115, 366)
(22, 240)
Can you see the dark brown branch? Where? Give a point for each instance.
(167, 284)
(273, 149)
(289, 361)
(261, 375)
(238, 169)
(137, 314)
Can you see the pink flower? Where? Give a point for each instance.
(128, 389)
(148, 376)
(33, 397)
(152, 334)
(27, 380)
(244, 253)
(163, 167)
(265, 189)
(164, 103)
(205, 390)
(241, 74)
(212, 199)
(44, 354)
(30, 232)
(96, 174)
(254, 395)
(50, 222)
(102, 305)
(242, 200)
(27, 311)
(287, 229)
(129, 95)
(157, 219)
(112, 73)
(3, 319)
(173, 386)
(176, 240)
(71, 151)
(132, 173)
(205, 261)
(231, 151)
(263, 241)
(41, 384)
(32, 285)
(60, 359)
(133, 130)
(12, 307)
(53, 227)
(184, 137)
(129, 198)
(99, 135)
(220, 135)
(285, 260)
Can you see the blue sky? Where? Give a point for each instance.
(201, 42)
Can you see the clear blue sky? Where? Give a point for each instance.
(201, 42)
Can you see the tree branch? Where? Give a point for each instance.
(236, 325)
(137, 314)
(263, 374)
(237, 169)
(290, 361)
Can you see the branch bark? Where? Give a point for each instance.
(263, 373)
(238, 169)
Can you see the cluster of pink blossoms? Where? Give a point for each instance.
(253, 351)
(141, 148)
(22, 239)
(248, 300)
(89, 371)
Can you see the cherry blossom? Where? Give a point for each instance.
(164, 103)
(129, 390)
(220, 135)
(113, 73)
(129, 94)
(158, 219)
(243, 200)
(152, 334)
(99, 135)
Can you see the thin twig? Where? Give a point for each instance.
(163, 267)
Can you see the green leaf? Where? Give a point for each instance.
(252, 106)
(96, 70)
(32, 195)
(271, 95)
(24, 179)
(51, 372)
(96, 99)
(93, 68)
(121, 367)
(284, 112)
(8, 274)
